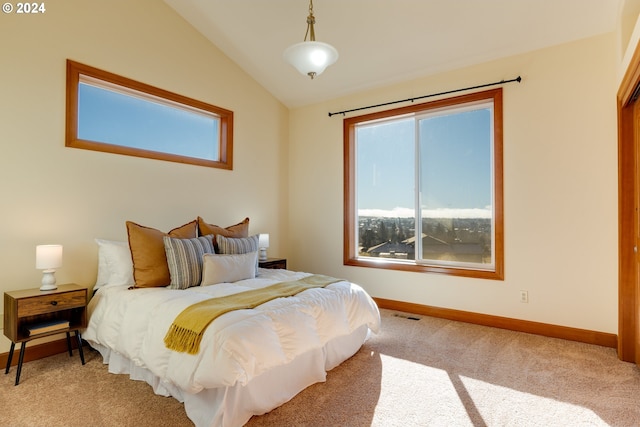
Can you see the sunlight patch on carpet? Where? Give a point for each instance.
(498, 404)
(434, 405)
(454, 399)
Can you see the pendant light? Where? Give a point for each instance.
(311, 57)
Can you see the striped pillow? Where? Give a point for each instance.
(241, 245)
(184, 258)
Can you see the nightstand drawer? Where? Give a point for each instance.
(274, 263)
(50, 303)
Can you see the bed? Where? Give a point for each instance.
(249, 361)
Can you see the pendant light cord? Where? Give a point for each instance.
(310, 21)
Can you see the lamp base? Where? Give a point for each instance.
(263, 254)
(48, 280)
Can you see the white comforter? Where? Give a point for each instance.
(237, 346)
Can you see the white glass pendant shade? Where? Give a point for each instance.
(311, 57)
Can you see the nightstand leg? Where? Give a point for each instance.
(80, 346)
(20, 359)
(13, 346)
(69, 344)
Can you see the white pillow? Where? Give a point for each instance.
(114, 264)
(219, 268)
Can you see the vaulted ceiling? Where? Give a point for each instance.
(385, 41)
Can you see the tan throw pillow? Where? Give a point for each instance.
(150, 268)
(240, 229)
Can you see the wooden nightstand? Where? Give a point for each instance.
(273, 263)
(30, 313)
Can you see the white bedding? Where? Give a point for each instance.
(237, 347)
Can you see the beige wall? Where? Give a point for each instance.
(628, 34)
(560, 163)
(53, 194)
(560, 190)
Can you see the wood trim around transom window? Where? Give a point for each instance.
(75, 70)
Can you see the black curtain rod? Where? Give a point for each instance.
(517, 79)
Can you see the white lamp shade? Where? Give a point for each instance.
(263, 241)
(48, 257)
(311, 58)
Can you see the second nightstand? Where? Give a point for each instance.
(273, 263)
(32, 313)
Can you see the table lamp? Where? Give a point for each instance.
(48, 258)
(263, 244)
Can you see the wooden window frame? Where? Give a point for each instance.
(75, 70)
(351, 227)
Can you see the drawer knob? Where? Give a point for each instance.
(54, 302)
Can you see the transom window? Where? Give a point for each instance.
(107, 112)
(423, 187)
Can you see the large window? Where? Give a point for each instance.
(107, 112)
(423, 187)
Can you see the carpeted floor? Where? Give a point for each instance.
(427, 372)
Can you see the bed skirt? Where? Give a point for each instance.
(234, 406)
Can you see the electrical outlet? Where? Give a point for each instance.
(524, 296)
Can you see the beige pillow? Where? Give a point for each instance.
(150, 268)
(228, 268)
(240, 229)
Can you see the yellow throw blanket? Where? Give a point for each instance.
(187, 329)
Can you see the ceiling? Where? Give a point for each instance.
(386, 41)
